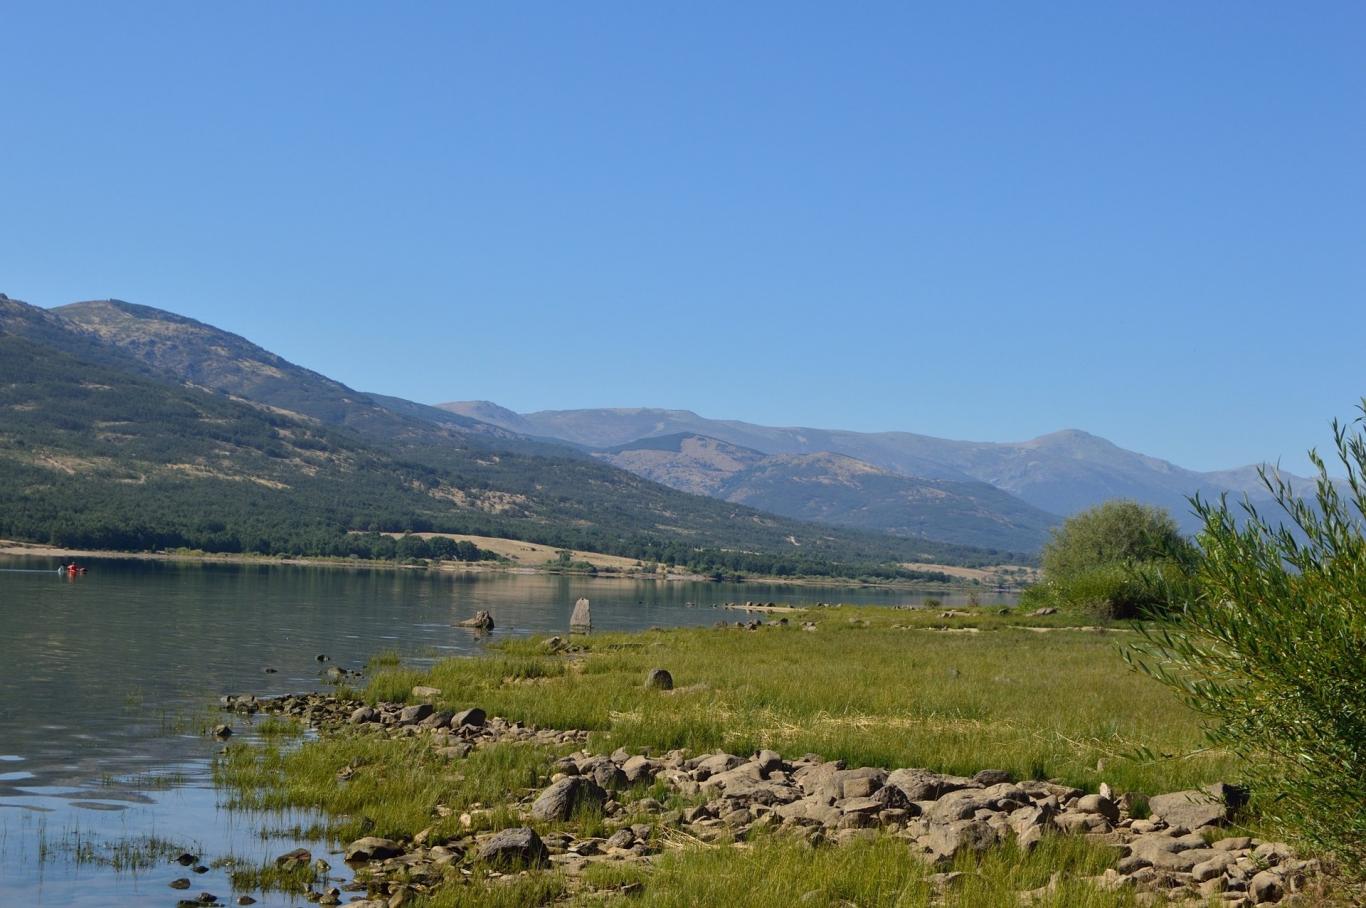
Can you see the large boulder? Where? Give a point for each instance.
(371, 848)
(945, 840)
(473, 717)
(921, 784)
(659, 679)
(1192, 809)
(514, 849)
(558, 802)
(411, 715)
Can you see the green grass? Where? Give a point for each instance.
(267, 877)
(394, 787)
(872, 686)
(783, 871)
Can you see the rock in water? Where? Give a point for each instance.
(659, 679)
(515, 848)
(481, 620)
(582, 619)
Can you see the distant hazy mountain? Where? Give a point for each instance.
(1060, 473)
(836, 489)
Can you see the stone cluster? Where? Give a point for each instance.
(1177, 851)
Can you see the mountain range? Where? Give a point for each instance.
(618, 480)
(130, 426)
(1059, 474)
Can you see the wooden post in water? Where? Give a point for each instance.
(581, 621)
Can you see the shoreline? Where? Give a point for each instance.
(18, 548)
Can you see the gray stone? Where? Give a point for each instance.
(558, 802)
(1098, 804)
(921, 784)
(482, 620)
(659, 679)
(769, 761)
(622, 838)
(514, 849)
(363, 714)
(473, 717)
(1192, 809)
(582, 619)
(992, 777)
(371, 848)
(411, 715)
(1212, 867)
(1266, 887)
(636, 769)
(945, 840)
(425, 693)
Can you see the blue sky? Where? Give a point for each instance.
(983, 221)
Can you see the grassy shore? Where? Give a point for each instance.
(884, 687)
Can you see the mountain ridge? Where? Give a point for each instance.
(440, 470)
(837, 489)
(1060, 472)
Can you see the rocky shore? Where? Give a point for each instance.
(1171, 846)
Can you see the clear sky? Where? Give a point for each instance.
(983, 221)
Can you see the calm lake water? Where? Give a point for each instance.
(107, 679)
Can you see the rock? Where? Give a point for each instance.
(473, 718)
(181, 883)
(1040, 612)
(1266, 887)
(185, 859)
(1232, 843)
(1098, 804)
(363, 714)
(514, 849)
(635, 769)
(992, 777)
(411, 715)
(222, 731)
(482, 620)
(558, 802)
(335, 674)
(582, 619)
(426, 693)
(1271, 854)
(1212, 867)
(945, 840)
(769, 761)
(921, 784)
(1191, 809)
(622, 838)
(371, 848)
(245, 900)
(292, 859)
(659, 679)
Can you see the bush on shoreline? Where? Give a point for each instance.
(1274, 651)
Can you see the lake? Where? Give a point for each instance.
(108, 681)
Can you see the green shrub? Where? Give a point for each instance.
(1274, 651)
(1118, 560)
